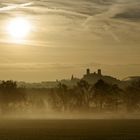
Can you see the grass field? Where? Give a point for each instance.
(70, 129)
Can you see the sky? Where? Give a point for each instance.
(68, 36)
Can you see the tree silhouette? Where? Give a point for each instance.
(60, 97)
(132, 96)
(101, 90)
(9, 93)
(114, 97)
(84, 94)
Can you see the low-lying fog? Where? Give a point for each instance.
(84, 101)
(70, 115)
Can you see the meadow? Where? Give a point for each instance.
(64, 129)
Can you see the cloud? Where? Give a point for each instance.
(34, 66)
(130, 14)
(14, 6)
(102, 20)
(74, 31)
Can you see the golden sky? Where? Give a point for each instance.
(48, 40)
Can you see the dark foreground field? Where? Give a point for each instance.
(70, 129)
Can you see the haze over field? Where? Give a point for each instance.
(61, 37)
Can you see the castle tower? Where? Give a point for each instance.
(99, 72)
(88, 71)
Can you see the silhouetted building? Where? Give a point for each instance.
(95, 74)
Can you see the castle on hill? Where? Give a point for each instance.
(92, 78)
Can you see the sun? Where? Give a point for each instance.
(18, 28)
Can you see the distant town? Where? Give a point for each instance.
(90, 77)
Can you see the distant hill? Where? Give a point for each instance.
(129, 80)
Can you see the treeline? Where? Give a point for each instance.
(83, 97)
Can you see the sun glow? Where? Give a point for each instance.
(18, 28)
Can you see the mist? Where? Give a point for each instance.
(100, 100)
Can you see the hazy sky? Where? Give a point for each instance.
(67, 36)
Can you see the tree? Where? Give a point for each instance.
(61, 97)
(101, 90)
(132, 96)
(84, 94)
(9, 93)
(114, 96)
